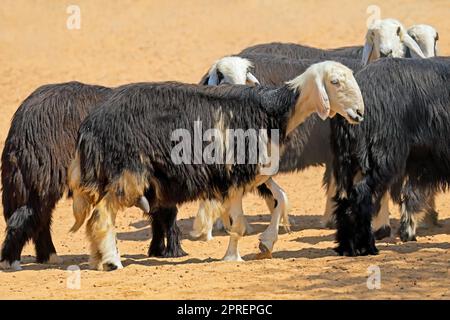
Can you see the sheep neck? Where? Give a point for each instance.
(300, 112)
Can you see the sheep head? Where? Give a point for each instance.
(426, 37)
(388, 38)
(327, 88)
(231, 70)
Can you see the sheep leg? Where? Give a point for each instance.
(45, 249)
(21, 227)
(237, 227)
(101, 233)
(353, 218)
(431, 216)
(413, 205)
(272, 203)
(268, 238)
(328, 220)
(203, 223)
(381, 223)
(157, 245)
(173, 234)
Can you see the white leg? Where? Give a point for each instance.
(270, 202)
(238, 226)
(203, 224)
(268, 238)
(100, 231)
(328, 218)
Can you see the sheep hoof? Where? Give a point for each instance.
(110, 266)
(265, 252)
(176, 252)
(431, 219)
(329, 224)
(351, 249)
(236, 258)
(406, 233)
(383, 232)
(55, 259)
(14, 266)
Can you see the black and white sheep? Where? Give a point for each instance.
(125, 151)
(38, 150)
(400, 147)
(308, 145)
(384, 38)
(426, 37)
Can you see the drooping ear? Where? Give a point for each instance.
(367, 51)
(213, 79)
(252, 79)
(411, 44)
(321, 98)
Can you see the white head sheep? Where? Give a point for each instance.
(232, 70)
(426, 37)
(388, 38)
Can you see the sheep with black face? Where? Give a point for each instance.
(398, 148)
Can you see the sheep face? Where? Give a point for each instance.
(231, 70)
(343, 93)
(327, 88)
(388, 38)
(426, 37)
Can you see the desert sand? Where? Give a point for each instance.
(129, 41)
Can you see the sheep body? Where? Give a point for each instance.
(398, 148)
(38, 150)
(123, 150)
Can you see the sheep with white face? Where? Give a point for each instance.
(426, 37)
(388, 38)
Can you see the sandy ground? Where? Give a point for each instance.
(127, 41)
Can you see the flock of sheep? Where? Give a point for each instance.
(378, 126)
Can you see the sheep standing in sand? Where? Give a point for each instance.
(124, 149)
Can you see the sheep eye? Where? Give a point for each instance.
(335, 82)
(398, 31)
(220, 76)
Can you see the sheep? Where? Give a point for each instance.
(308, 145)
(384, 38)
(426, 37)
(38, 150)
(398, 148)
(388, 38)
(126, 152)
(298, 51)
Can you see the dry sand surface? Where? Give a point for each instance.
(129, 41)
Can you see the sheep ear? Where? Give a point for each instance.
(252, 79)
(412, 45)
(367, 52)
(213, 79)
(322, 101)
